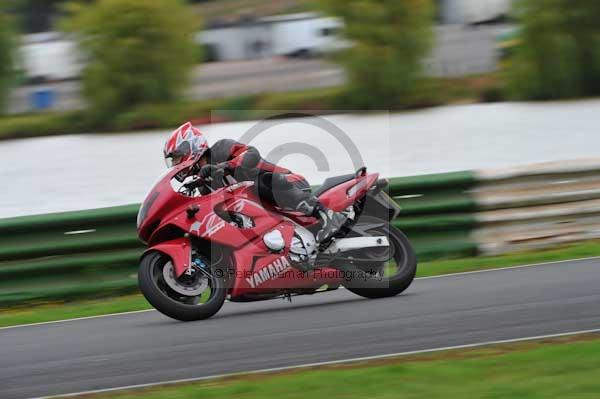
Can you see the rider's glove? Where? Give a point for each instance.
(207, 171)
(215, 173)
(210, 170)
(225, 166)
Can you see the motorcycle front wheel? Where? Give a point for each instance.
(193, 296)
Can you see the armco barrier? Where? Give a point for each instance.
(95, 253)
(436, 213)
(536, 206)
(68, 255)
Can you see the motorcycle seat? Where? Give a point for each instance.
(331, 182)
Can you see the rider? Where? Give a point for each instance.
(274, 183)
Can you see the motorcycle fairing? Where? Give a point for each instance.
(207, 224)
(179, 250)
(342, 196)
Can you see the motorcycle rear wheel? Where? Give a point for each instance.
(158, 292)
(375, 280)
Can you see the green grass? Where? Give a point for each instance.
(561, 368)
(155, 116)
(54, 311)
(567, 252)
(60, 311)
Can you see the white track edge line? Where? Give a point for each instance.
(326, 363)
(499, 269)
(76, 319)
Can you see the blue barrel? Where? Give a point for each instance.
(43, 99)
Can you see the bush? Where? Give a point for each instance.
(138, 51)
(154, 116)
(7, 57)
(431, 91)
(559, 51)
(33, 125)
(492, 95)
(389, 40)
(306, 100)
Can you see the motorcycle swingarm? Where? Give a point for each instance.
(354, 243)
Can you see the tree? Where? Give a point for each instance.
(390, 39)
(35, 15)
(559, 51)
(137, 51)
(7, 56)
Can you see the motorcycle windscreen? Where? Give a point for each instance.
(163, 192)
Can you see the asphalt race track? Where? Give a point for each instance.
(147, 347)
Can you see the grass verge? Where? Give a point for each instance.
(566, 252)
(72, 310)
(432, 92)
(553, 368)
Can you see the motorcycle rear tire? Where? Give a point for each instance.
(376, 287)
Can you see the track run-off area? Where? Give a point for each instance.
(447, 311)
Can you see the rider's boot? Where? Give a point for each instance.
(330, 220)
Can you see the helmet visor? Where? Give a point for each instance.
(173, 160)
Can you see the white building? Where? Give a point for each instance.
(49, 56)
(302, 34)
(52, 56)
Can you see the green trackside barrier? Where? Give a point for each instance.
(70, 220)
(436, 202)
(68, 255)
(48, 293)
(51, 243)
(437, 181)
(65, 265)
(431, 244)
(434, 194)
(437, 213)
(430, 223)
(94, 253)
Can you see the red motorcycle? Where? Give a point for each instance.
(207, 245)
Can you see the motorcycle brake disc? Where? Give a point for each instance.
(193, 285)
